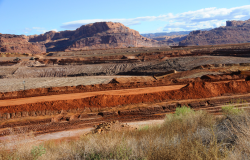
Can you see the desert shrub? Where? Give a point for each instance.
(183, 110)
(185, 119)
(120, 151)
(146, 127)
(236, 131)
(230, 110)
(191, 136)
(192, 149)
(37, 151)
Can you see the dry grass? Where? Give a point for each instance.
(17, 146)
(183, 135)
(237, 133)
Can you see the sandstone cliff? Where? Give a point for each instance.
(99, 35)
(19, 44)
(233, 32)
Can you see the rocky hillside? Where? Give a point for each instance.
(19, 44)
(100, 35)
(233, 32)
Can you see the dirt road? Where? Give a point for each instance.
(88, 94)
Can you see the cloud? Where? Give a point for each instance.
(77, 24)
(54, 30)
(203, 18)
(207, 18)
(27, 30)
(182, 26)
(39, 30)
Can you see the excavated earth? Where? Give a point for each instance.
(130, 61)
(119, 83)
(203, 80)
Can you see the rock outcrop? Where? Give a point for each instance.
(51, 35)
(19, 44)
(99, 35)
(233, 32)
(237, 23)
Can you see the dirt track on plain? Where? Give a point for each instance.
(88, 94)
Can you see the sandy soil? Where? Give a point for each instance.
(88, 94)
(11, 141)
(139, 124)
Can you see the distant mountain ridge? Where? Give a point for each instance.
(107, 35)
(159, 34)
(234, 32)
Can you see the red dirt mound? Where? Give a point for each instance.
(132, 79)
(222, 77)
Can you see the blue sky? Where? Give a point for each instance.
(146, 16)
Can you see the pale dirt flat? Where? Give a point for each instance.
(139, 124)
(12, 141)
(16, 84)
(79, 132)
(72, 96)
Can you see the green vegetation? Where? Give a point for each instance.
(230, 109)
(183, 111)
(144, 128)
(186, 134)
(37, 151)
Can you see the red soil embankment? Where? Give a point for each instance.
(115, 84)
(72, 96)
(194, 90)
(89, 88)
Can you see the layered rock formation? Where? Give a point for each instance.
(100, 35)
(233, 32)
(19, 44)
